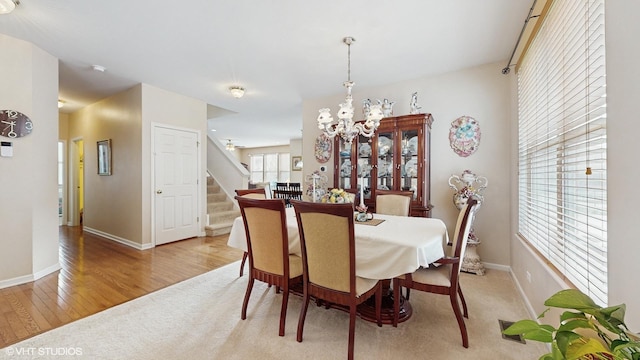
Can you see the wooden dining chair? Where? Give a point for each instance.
(327, 242)
(265, 224)
(249, 194)
(259, 193)
(443, 279)
(393, 202)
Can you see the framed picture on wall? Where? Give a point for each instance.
(104, 157)
(296, 163)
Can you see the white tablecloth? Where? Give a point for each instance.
(397, 246)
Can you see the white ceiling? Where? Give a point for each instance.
(281, 51)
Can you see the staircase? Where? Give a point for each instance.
(220, 210)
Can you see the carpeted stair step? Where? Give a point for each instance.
(223, 216)
(214, 207)
(218, 229)
(218, 197)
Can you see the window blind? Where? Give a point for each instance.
(562, 144)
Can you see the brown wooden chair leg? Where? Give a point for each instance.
(379, 306)
(245, 303)
(463, 328)
(352, 330)
(244, 259)
(464, 303)
(303, 314)
(283, 311)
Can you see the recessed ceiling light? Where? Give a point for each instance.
(7, 6)
(99, 68)
(237, 91)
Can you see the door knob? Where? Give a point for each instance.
(158, 191)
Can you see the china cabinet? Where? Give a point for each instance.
(395, 158)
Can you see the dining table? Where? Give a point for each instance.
(386, 246)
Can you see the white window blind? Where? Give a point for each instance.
(272, 167)
(563, 143)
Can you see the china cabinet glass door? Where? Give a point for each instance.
(365, 165)
(409, 161)
(385, 165)
(344, 165)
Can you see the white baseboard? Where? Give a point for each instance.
(46, 271)
(29, 278)
(527, 304)
(118, 239)
(16, 281)
(497, 267)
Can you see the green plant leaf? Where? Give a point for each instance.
(569, 315)
(578, 349)
(564, 339)
(531, 330)
(521, 326)
(571, 299)
(575, 324)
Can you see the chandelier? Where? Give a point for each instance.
(345, 126)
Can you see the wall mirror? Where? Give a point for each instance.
(104, 157)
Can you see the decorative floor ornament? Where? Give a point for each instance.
(464, 135)
(469, 185)
(316, 183)
(323, 148)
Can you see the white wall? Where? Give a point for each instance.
(28, 180)
(481, 92)
(623, 90)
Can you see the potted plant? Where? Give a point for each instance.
(586, 330)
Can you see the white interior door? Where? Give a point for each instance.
(176, 184)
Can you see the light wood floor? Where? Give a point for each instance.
(97, 274)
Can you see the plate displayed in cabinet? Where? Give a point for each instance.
(365, 150)
(384, 145)
(411, 168)
(345, 169)
(413, 145)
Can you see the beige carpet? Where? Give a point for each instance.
(200, 319)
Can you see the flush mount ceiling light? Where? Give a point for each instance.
(230, 146)
(345, 126)
(60, 104)
(99, 68)
(237, 91)
(7, 6)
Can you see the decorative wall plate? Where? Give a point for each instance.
(464, 135)
(323, 147)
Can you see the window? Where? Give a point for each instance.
(562, 144)
(272, 167)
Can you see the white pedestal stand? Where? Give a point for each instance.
(467, 185)
(471, 262)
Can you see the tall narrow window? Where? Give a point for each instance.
(562, 144)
